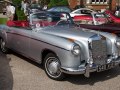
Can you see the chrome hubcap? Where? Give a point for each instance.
(53, 67)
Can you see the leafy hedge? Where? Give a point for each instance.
(63, 2)
(58, 3)
(20, 14)
(17, 3)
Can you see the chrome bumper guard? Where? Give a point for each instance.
(86, 70)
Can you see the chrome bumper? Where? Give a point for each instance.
(86, 70)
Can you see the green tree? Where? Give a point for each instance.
(58, 3)
(52, 3)
(17, 2)
(62, 2)
(44, 2)
(20, 14)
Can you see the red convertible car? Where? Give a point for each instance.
(98, 21)
(111, 14)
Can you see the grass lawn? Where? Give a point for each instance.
(3, 20)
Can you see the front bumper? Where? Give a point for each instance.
(86, 70)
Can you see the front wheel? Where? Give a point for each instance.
(52, 67)
(3, 46)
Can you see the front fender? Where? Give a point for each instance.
(3, 32)
(55, 40)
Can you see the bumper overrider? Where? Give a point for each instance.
(86, 70)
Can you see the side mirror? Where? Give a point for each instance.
(32, 26)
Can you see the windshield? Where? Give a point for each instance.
(43, 19)
(35, 6)
(60, 9)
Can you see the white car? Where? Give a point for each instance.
(81, 11)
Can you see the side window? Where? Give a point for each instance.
(59, 9)
(86, 11)
(90, 22)
(87, 22)
(38, 17)
(83, 11)
(66, 10)
(56, 9)
(78, 12)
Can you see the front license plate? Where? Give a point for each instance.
(105, 67)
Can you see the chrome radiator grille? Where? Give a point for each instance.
(99, 52)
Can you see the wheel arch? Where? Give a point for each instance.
(45, 52)
(1, 37)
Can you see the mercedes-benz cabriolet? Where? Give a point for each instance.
(61, 46)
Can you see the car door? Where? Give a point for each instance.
(36, 41)
(19, 39)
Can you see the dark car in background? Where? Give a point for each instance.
(60, 9)
(34, 8)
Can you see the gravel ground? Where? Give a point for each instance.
(6, 78)
(28, 75)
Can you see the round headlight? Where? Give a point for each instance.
(76, 50)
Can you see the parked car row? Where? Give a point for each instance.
(84, 11)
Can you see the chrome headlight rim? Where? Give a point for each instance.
(76, 50)
(118, 43)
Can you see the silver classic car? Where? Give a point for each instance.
(52, 39)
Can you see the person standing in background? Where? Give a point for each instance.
(10, 11)
(117, 10)
(22, 5)
(25, 7)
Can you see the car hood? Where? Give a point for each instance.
(70, 32)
